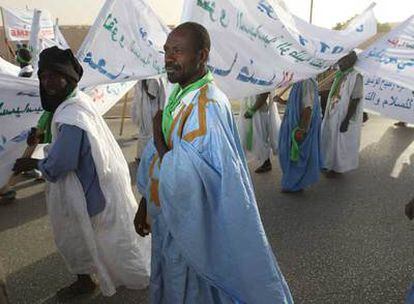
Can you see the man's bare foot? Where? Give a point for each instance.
(265, 167)
(7, 197)
(365, 117)
(84, 285)
(400, 124)
(288, 191)
(332, 174)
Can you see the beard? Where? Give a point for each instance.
(51, 102)
(177, 73)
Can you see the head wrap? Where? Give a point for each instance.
(61, 61)
(23, 56)
(347, 61)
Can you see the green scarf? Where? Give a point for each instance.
(175, 98)
(249, 135)
(339, 75)
(44, 124)
(294, 150)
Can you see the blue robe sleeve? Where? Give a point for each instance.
(208, 203)
(143, 168)
(64, 155)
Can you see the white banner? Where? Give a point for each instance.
(388, 99)
(257, 45)
(105, 96)
(392, 57)
(59, 39)
(20, 110)
(125, 43)
(8, 68)
(35, 44)
(17, 23)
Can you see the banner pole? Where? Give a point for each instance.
(311, 12)
(328, 78)
(124, 108)
(9, 48)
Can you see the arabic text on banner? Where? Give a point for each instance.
(17, 23)
(392, 57)
(388, 99)
(257, 45)
(125, 43)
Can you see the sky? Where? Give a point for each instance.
(326, 13)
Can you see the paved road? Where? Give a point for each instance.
(342, 241)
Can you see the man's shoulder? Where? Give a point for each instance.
(210, 107)
(210, 102)
(212, 96)
(74, 108)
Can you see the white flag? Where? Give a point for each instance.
(392, 57)
(125, 43)
(257, 45)
(34, 39)
(17, 24)
(388, 99)
(58, 41)
(20, 110)
(8, 68)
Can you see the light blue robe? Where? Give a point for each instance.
(306, 171)
(208, 242)
(410, 295)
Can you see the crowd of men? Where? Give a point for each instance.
(198, 208)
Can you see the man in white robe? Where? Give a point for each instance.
(259, 125)
(341, 125)
(149, 98)
(89, 197)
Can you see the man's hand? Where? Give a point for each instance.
(344, 126)
(157, 123)
(35, 137)
(409, 210)
(300, 135)
(140, 220)
(25, 164)
(248, 114)
(159, 141)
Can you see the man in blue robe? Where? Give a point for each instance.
(299, 140)
(208, 242)
(409, 212)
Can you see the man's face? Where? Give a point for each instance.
(52, 82)
(343, 64)
(346, 62)
(182, 61)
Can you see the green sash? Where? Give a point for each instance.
(175, 98)
(339, 76)
(44, 124)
